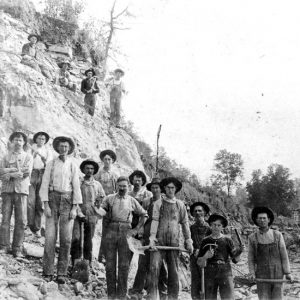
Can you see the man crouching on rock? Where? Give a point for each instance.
(267, 256)
(119, 208)
(61, 194)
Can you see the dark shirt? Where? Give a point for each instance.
(87, 84)
(198, 232)
(224, 249)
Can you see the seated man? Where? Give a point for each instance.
(31, 56)
(64, 77)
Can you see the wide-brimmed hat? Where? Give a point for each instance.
(41, 133)
(174, 180)
(108, 152)
(64, 62)
(90, 70)
(262, 209)
(59, 139)
(12, 136)
(215, 217)
(138, 173)
(119, 70)
(204, 206)
(89, 162)
(154, 181)
(33, 34)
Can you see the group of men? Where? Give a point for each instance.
(34, 183)
(32, 57)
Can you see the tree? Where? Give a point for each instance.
(275, 189)
(229, 168)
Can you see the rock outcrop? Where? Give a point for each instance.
(31, 102)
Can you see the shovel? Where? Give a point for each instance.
(81, 270)
(137, 248)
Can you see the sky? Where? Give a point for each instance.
(216, 75)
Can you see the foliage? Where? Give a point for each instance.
(65, 10)
(229, 168)
(275, 189)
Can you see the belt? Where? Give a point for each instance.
(217, 262)
(61, 193)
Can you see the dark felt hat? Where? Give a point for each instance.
(65, 62)
(41, 133)
(89, 162)
(174, 180)
(108, 152)
(154, 181)
(59, 139)
(90, 70)
(119, 70)
(204, 206)
(138, 173)
(14, 134)
(33, 34)
(215, 217)
(262, 209)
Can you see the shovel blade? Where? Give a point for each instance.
(135, 245)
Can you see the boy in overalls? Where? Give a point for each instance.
(267, 256)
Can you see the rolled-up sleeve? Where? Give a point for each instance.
(44, 190)
(284, 255)
(138, 209)
(77, 197)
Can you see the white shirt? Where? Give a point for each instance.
(37, 161)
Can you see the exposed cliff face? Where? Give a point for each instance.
(31, 102)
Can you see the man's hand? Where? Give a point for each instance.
(189, 246)
(132, 232)
(47, 210)
(209, 253)
(73, 212)
(16, 175)
(12, 170)
(196, 252)
(252, 276)
(289, 277)
(152, 243)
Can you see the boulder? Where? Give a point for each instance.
(33, 250)
(65, 50)
(26, 290)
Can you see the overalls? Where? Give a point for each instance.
(269, 266)
(167, 235)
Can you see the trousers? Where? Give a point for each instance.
(17, 203)
(61, 205)
(90, 103)
(195, 278)
(35, 206)
(115, 104)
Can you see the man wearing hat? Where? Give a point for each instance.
(90, 88)
(119, 207)
(41, 156)
(215, 251)
(92, 196)
(108, 180)
(116, 90)
(199, 230)
(139, 192)
(60, 192)
(168, 214)
(144, 260)
(15, 171)
(267, 256)
(64, 77)
(31, 56)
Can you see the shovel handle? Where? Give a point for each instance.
(267, 280)
(163, 248)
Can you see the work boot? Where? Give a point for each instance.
(61, 279)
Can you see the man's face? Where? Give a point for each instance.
(216, 227)
(33, 40)
(63, 148)
(107, 160)
(18, 142)
(122, 187)
(89, 74)
(170, 190)
(89, 170)
(137, 181)
(199, 212)
(263, 220)
(118, 75)
(41, 140)
(155, 189)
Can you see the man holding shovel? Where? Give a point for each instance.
(267, 256)
(168, 214)
(199, 230)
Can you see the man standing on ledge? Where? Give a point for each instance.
(168, 214)
(119, 208)
(61, 194)
(267, 256)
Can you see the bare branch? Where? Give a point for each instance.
(117, 28)
(121, 13)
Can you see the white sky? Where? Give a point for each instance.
(215, 74)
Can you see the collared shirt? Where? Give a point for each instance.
(121, 208)
(27, 49)
(22, 161)
(108, 179)
(37, 161)
(267, 237)
(61, 177)
(141, 195)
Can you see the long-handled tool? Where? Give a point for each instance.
(238, 258)
(157, 149)
(81, 270)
